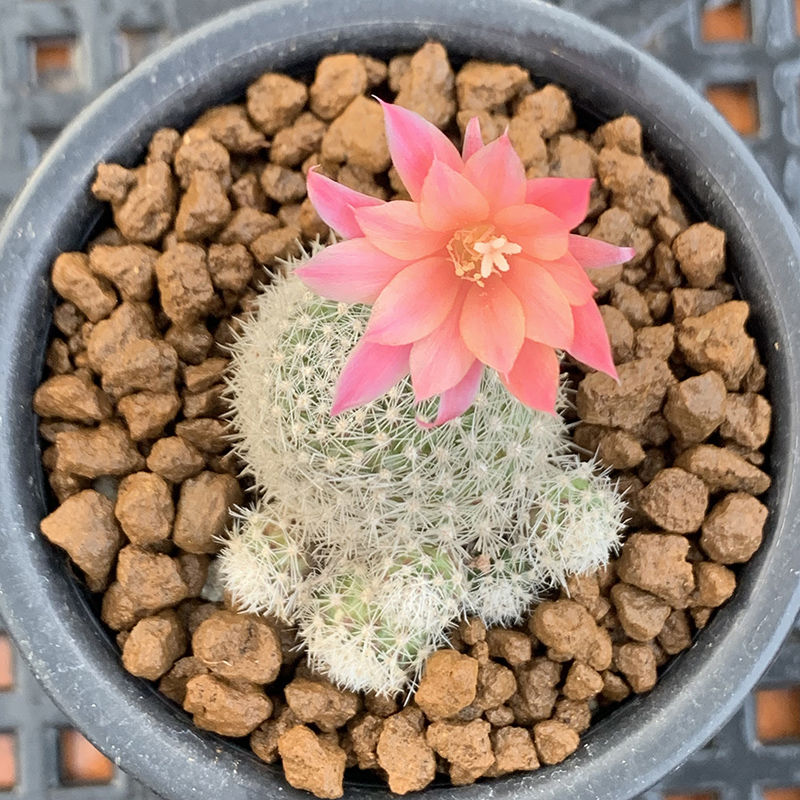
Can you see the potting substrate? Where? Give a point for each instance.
(140, 457)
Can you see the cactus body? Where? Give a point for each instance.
(378, 533)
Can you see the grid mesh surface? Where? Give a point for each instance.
(55, 55)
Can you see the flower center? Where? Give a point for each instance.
(478, 252)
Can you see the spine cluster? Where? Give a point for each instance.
(374, 535)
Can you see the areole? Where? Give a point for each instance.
(43, 605)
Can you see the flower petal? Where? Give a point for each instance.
(353, 271)
(441, 359)
(534, 378)
(335, 203)
(593, 254)
(414, 303)
(473, 140)
(591, 345)
(537, 231)
(448, 201)
(396, 229)
(567, 198)
(371, 371)
(414, 143)
(548, 316)
(457, 400)
(493, 324)
(571, 279)
(497, 171)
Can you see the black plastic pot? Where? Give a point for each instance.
(45, 609)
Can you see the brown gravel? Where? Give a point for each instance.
(311, 762)
(448, 685)
(134, 396)
(404, 753)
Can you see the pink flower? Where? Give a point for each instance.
(478, 269)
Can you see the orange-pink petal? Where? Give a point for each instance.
(567, 198)
(457, 400)
(571, 279)
(548, 316)
(353, 271)
(497, 171)
(594, 254)
(336, 203)
(414, 143)
(538, 232)
(534, 377)
(448, 201)
(414, 303)
(493, 324)
(591, 345)
(473, 140)
(441, 359)
(397, 229)
(371, 371)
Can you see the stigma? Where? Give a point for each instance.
(478, 253)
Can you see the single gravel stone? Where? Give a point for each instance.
(85, 527)
(144, 508)
(274, 101)
(204, 510)
(554, 741)
(748, 418)
(675, 500)
(696, 407)
(676, 635)
(154, 645)
(640, 392)
(537, 695)
(638, 664)
(514, 647)
(448, 685)
(656, 563)
(641, 614)
(239, 647)
(734, 529)
(582, 682)
(312, 762)
(71, 397)
(321, 703)
(364, 731)
(567, 627)
(718, 340)
(226, 707)
(513, 752)
(96, 452)
(496, 684)
(466, 745)
(723, 470)
(715, 584)
(404, 753)
(700, 251)
(340, 78)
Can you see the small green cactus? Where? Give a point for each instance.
(265, 562)
(378, 534)
(372, 623)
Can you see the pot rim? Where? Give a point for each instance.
(44, 609)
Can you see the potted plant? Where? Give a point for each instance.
(50, 618)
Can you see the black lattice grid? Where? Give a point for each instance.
(55, 55)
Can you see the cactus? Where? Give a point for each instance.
(372, 623)
(477, 516)
(265, 563)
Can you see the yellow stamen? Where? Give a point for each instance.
(477, 253)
